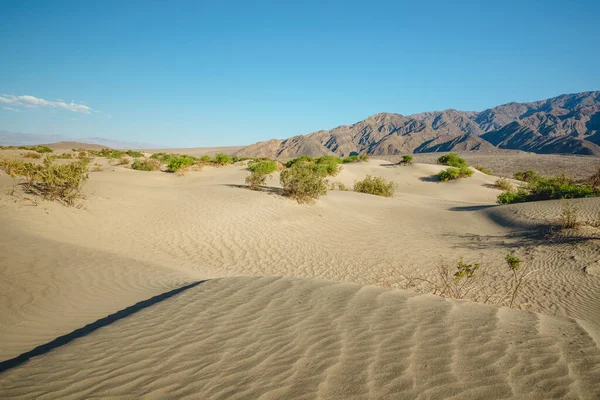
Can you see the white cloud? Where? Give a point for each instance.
(11, 109)
(33, 102)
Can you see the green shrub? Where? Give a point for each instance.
(134, 154)
(504, 184)
(363, 158)
(65, 156)
(32, 155)
(223, 159)
(264, 166)
(553, 188)
(526, 176)
(452, 160)
(483, 169)
(260, 171)
(406, 160)
(350, 159)
(205, 159)
(162, 157)
(454, 173)
(146, 164)
(298, 159)
(376, 186)
(303, 181)
(177, 163)
(42, 149)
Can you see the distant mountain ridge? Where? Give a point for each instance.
(28, 139)
(568, 123)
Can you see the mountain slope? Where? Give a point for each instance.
(564, 124)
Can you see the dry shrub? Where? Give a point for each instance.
(504, 184)
(59, 182)
(568, 216)
(32, 155)
(376, 186)
(146, 164)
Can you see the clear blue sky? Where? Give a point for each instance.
(202, 73)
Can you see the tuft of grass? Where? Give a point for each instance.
(568, 216)
(376, 186)
(303, 181)
(146, 164)
(483, 169)
(504, 184)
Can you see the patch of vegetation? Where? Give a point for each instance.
(205, 159)
(32, 155)
(504, 184)
(177, 163)
(406, 160)
(65, 156)
(328, 165)
(553, 188)
(483, 169)
(290, 163)
(260, 172)
(526, 176)
(223, 159)
(454, 173)
(110, 153)
(52, 181)
(453, 160)
(339, 186)
(146, 164)
(376, 186)
(303, 181)
(568, 216)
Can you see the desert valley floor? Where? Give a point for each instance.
(286, 300)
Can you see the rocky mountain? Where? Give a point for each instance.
(568, 123)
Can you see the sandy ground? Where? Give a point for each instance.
(322, 332)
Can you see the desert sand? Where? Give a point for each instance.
(289, 300)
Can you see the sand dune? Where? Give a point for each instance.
(246, 338)
(140, 234)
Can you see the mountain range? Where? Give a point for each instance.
(28, 139)
(566, 124)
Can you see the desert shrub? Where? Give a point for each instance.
(32, 155)
(163, 158)
(223, 159)
(52, 181)
(406, 160)
(264, 166)
(65, 156)
(350, 159)
(329, 165)
(124, 160)
(237, 159)
(594, 180)
(454, 173)
(177, 163)
(339, 186)
(42, 149)
(146, 164)
(452, 160)
(134, 154)
(205, 159)
(303, 181)
(298, 159)
(526, 176)
(553, 188)
(363, 158)
(260, 171)
(376, 186)
(504, 184)
(483, 169)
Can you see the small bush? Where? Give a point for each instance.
(223, 159)
(483, 169)
(264, 166)
(177, 163)
(65, 156)
(454, 173)
(452, 160)
(42, 149)
(376, 186)
(526, 176)
(297, 160)
(504, 184)
(350, 159)
(205, 159)
(568, 216)
(123, 160)
(32, 155)
(147, 164)
(363, 158)
(406, 160)
(303, 181)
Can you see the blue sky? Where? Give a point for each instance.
(200, 73)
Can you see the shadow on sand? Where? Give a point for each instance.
(86, 330)
(266, 189)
